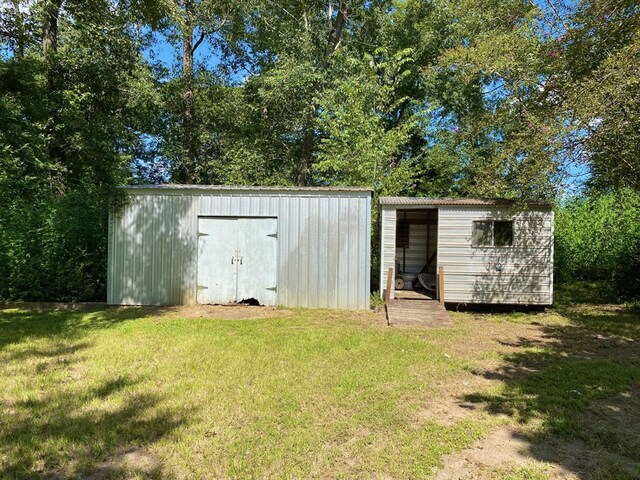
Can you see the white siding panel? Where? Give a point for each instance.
(520, 274)
(388, 247)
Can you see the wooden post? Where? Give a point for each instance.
(387, 292)
(441, 285)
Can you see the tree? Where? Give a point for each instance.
(188, 25)
(357, 144)
(559, 90)
(598, 90)
(70, 121)
(297, 47)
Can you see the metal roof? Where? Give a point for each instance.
(242, 188)
(422, 201)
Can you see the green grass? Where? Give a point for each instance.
(303, 395)
(522, 472)
(292, 397)
(592, 353)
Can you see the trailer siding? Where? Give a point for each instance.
(518, 274)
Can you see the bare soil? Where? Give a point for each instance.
(231, 312)
(136, 462)
(609, 426)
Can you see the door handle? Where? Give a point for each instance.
(231, 260)
(240, 260)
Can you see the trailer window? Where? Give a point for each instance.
(482, 233)
(492, 233)
(503, 233)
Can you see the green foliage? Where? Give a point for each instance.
(598, 238)
(354, 125)
(441, 98)
(376, 301)
(70, 123)
(598, 93)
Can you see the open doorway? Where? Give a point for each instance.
(416, 253)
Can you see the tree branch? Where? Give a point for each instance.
(198, 42)
(205, 33)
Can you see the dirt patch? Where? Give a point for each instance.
(54, 306)
(612, 423)
(501, 448)
(132, 463)
(505, 450)
(605, 443)
(497, 338)
(448, 405)
(491, 342)
(225, 312)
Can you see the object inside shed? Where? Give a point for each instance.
(416, 249)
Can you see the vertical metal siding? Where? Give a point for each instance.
(323, 245)
(553, 256)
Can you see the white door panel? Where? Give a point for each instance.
(257, 272)
(217, 272)
(237, 260)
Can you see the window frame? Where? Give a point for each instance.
(492, 235)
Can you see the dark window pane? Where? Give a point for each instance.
(402, 233)
(481, 233)
(503, 233)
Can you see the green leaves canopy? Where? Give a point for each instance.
(491, 98)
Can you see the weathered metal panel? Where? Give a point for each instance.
(323, 243)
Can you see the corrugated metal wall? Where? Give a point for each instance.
(520, 274)
(323, 244)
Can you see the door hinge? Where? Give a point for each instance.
(274, 235)
(273, 289)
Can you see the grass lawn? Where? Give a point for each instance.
(299, 393)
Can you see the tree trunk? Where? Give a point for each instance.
(20, 35)
(51, 14)
(55, 136)
(307, 149)
(309, 139)
(188, 147)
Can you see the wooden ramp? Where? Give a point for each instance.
(417, 312)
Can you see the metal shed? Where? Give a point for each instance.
(491, 251)
(189, 244)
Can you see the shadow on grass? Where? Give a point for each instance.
(75, 425)
(19, 324)
(58, 436)
(573, 375)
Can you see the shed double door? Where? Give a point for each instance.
(237, 260)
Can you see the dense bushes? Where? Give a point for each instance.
(54, 247)
(598, 238)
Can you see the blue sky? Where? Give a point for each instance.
(169, 57)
